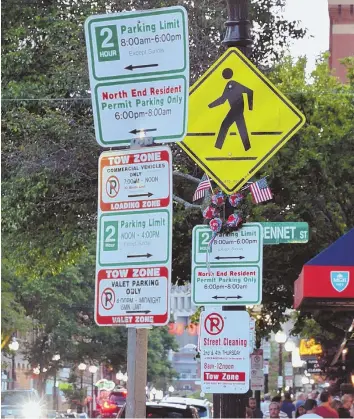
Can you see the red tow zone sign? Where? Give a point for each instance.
(134, 179)
(133, 296)
(134, 237)
(224, 350)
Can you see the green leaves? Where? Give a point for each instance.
(160, 371)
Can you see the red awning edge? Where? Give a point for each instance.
(315, 290)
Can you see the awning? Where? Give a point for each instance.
(327, 280)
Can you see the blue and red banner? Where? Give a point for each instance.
(328, 278)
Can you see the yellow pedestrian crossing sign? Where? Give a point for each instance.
(237, 121)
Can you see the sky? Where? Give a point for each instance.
(313, 15)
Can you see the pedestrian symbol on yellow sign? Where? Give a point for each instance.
(233, 93)
(237, 121)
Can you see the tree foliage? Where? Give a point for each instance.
(160, 371)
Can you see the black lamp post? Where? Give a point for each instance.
(55, 358)
(82, 368)
(280, 338)
(13, 346)
(93, 369)
(238, 26)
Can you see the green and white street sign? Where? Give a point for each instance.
(285, 232)
(131, 238)
(230, 273)
(139, 74)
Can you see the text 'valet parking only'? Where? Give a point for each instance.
(134, 295)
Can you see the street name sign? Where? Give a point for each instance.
(224, 346)
(257, 375)
(288, 374)
(134, 237)
(266, 349)
(139, 74)
(237, 121)
(288, 369)
(252, 334)
(257, 359)
(313, 366)
(231, 273)
(257, 380)
(285, 232)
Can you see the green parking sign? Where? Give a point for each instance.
(203, 241)
(110, 235)
(107, 43)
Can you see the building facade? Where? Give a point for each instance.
(341, 36)
(184, 361)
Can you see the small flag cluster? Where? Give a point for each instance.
(260, 190)
(202, 187)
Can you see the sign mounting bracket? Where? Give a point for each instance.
(139, 142)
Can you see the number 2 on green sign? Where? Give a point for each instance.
(111, 232)
(106, 42)
(205, 238)
(110, 238)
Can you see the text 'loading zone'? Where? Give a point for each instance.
(135, 181)
(134, 243)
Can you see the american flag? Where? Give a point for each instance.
(203, 185)
(260, 191)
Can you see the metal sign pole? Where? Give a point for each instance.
(137, 370)
(237, 35)
(137, 346)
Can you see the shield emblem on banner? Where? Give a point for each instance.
(339, 280)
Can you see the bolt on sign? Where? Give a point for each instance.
(139, 74)
(224, 351)
(134, 237)
(237, 121)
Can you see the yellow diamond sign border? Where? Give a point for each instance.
(289, 132)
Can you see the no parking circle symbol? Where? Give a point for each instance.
(112, 186)
(108, 298)
(214, 323)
